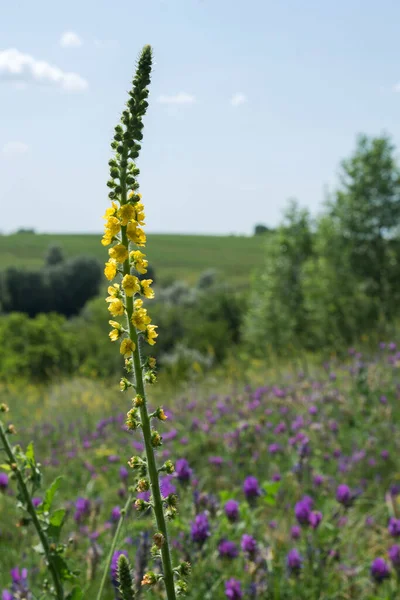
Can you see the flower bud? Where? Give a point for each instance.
(149, 578)
(159, 540)
(124, 384)
(143, 485)
(132, 422)
(138, 400)
(141, 505)
(4, 408)
(156, 439)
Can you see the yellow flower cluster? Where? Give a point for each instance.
(126, 220)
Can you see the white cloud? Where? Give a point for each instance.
(238, 99)
(180, 98)
(15, 66)
(70, 39)
(14, 148)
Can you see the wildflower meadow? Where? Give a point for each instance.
(212, 475)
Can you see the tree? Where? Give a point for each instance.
(276, 315)
(366, 212)
(259, 229)
(54, 256)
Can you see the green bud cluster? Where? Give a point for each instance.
(124, 577)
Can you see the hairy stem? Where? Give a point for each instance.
(32, 512)
(146, 426)
(113, 546)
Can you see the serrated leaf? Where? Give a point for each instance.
(49, 496)
(62, 568)
(30, 453)
(55, 524)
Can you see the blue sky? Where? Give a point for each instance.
(252, 102)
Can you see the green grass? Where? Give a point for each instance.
(172, 256)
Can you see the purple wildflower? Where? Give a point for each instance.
(182, 470)
(233, 589)
(344, 495)
(227, 549)
(394, 555)
(318, 480)
(315, 519)
(115, 514)
(232, 510)
(3, 481)
(379, 570)
(394, 527)
(294, 561)
(248, 544)
(200, 528)
(123, 473)
(295, 532)
(251, 488)
(166, 486)
(302, 510)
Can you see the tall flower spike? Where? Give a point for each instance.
(125, 578)
(124, 233)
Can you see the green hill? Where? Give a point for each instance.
(173, 256)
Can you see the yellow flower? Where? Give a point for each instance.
(114, 290)
(126, 213)
(112, 226)
(146, 289)
(110, 270)
(136, 234)
(116, 307)
(138, 303)
(107, 239)
(151, 362)
(140, 319)
(130, 283)
(118, 253)
(151, 334)
(127, 347)
(140, 216)
(139, 261)
(110, 212)
(116, 332)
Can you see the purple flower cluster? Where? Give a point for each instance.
(19, 586)
(233, 589)
(251, 488)
(200, 528)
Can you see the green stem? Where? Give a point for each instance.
(113, 546)
(32, 512)
(146, 426)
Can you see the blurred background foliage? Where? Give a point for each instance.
(310, 285)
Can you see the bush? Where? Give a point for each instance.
(64, 287)
(36, 349)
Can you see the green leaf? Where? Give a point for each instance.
(30, 453)
(75, 594)
(55, 524)
(49, 496)
(5, 467)
(62, 568)
(271, 488)
(225, 495)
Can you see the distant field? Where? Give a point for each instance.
(182, 257)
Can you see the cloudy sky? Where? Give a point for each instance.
(252, 102)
